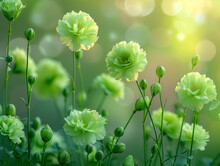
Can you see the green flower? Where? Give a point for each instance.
(20, 60)
(126, 60)
(12, 127)
(85, 127)
(109, 85)
(171, 123)
(52, 79)
(38, 144)
(201, 137)
(11, 8)
(195, 90)
(77, 31)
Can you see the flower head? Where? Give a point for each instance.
(109, 85)
(11, 8)
(126, 60)
(52, 78)
(171, 123)
(201, 137)
(195, 90)
(20, 60)
(77, 31)
(12, 127)
(85, 127)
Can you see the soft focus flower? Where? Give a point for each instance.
(171, 122)
(195, 90)
(109, 85)
(20, 60)
(38, 144)
(11, 8)
(52, 79)
(201, 137)
(126, 60)
(12, 127)
(77, 31)
(85, 127)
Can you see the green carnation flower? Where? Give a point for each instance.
(11, 8)
(20, 60)
(38, 144)
(201, 137)
(52, 79)
(195, 90)
(12, 127)
(109, 85)
(126, 60)
(85, 127)
(171, 123)
(77, 31)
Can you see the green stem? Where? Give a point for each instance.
(43, 155)
(178, 145)
(4, 151)
(80, 80)
(28, 104)
(101, 103)
(80, 156)
(151, 119)
(161, 131)
(65, 106)
(193, 133)
(6, 70)
(144, 136)
(73, 81)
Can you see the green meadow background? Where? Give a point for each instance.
(170, 31)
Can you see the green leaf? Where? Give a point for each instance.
(214, 105)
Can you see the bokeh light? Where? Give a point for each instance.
(171, 7)
(206, 50)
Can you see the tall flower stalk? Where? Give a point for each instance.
(29, 34)
(73, 80)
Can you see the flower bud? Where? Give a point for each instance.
(195, 61)
(155, 89)
(143, 84)
(154, 149)
(81, 98)
(10, 110)
(79, 54)
(119, 131)
(119, 148)
(109, 143)
(104, 113)
(66, 92)
(140, 104)
(129, 161)
(46, 133)
(89, 148)
(29, 34)
(147, 132)
(36, 123)
(63, 158)
(31, 79)
(99, 155)
(8, 58)
(37, 157)
(31, 133)
(160, 71)
(23, 142)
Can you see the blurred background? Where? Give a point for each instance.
(170, 31)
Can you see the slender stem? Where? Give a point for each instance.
(144, 136)
(178, 145)
(65, 106)
(4, 151)
(193, 133)
(87, 159)
(80, 80)
(43, 155)
(6, 70)
(28, 105)
(101, 103)
(151, 119)
(73, 81)
(161, 129)
(80, 157)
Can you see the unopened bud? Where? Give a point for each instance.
(160, 71)
(99, 155)
(63, 158)
(119, 131)
(119, 148)
(10, 110)
(66, 92)
(89, 148)
(29, 34)
(155, 89)
(195, 61)
(140, 104)
(31, 79)
(8, 58)
(143, 84)
(36, 123)
(46, 133)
